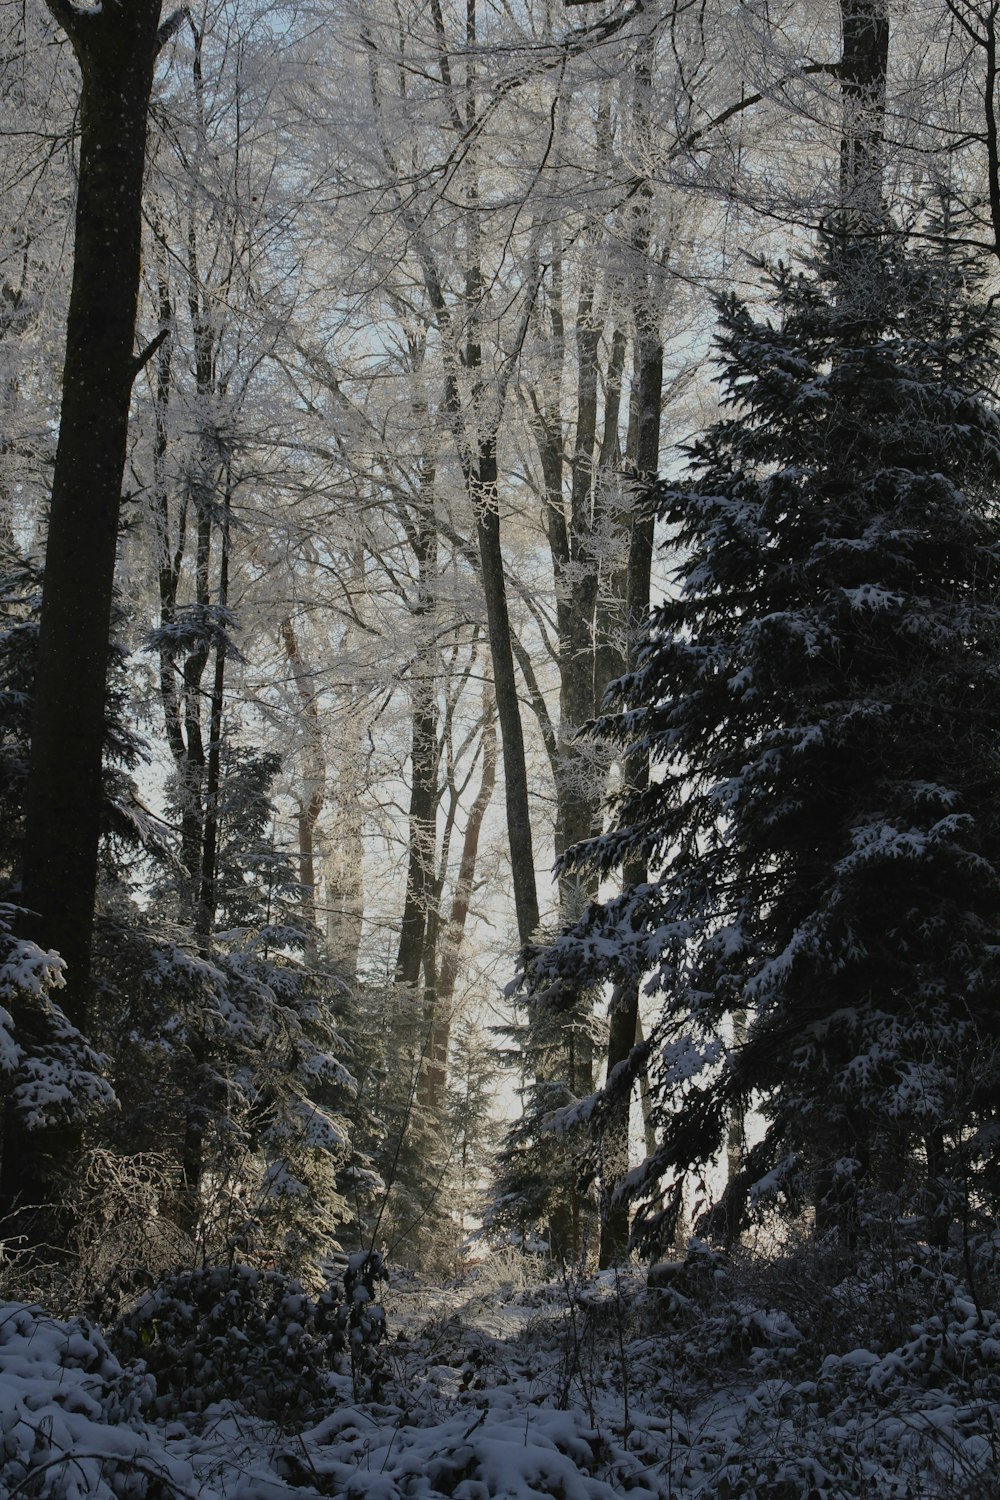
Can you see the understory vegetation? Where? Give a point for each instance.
(768, 1374)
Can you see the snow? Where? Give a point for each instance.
(871, 596)
(506, 1387)
(69, 1413)
(771, 1184)
(56, 1076)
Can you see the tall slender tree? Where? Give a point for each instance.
(116, 45)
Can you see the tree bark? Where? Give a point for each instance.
(437, 1063)
(423, 755)
(181, 687)
(344, 863)
(313, 794)
(864, 64)
(643, 453)
(116, 46)
(486, 504)
(208, 887)
(116, 49)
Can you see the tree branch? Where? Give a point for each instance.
(70, 18)
(748, 101)
(141, 360)
(172, 24)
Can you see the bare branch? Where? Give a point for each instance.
(142, 360)
(172, 24)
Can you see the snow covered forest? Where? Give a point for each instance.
(500, 749)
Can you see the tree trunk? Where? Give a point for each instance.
(865, 26)
(643, 450)
(345, 861)
(181, 688)
(313, 793)
(736, 1136)
(475, 431)
(623, 1022)
(116, 49)
(486, 504)
(423, 758)
(116, 46)
(344, 864)
(437, 1064)
(208, 887)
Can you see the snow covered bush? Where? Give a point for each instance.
(362, 1318)
(233, 1333)
(227, 1060)
(47, 1069)
(253, 1337)
(71, 1416)
(918, 1417)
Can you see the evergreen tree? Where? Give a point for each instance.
(402, 1157)
(544, 1164)
(471, 1094)
(238, 1031)
(52, 1079)
(819, 693)
(221, 1051)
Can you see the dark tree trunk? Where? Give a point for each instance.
(864, 64)
(423, 759)
(482, 479)
(313, 794)
(202, 1097)
(989, 46)
(937, 1215)
(208, 888)
(116, 49)
(116, 46)
(865, 25)
(182, 692)
(623, 1021)
(574, 499)
(576, 580)
(486, 504)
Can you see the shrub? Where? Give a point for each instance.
(235, 1333)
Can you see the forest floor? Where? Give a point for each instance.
(770, 1381)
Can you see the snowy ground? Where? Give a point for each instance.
(500, 1390)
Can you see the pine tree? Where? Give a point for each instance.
(221, 1051)
(540, 1191)
(397, 1180)
(819, 693)
(471, 1095)
(239, 1032)
(53, 1081)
